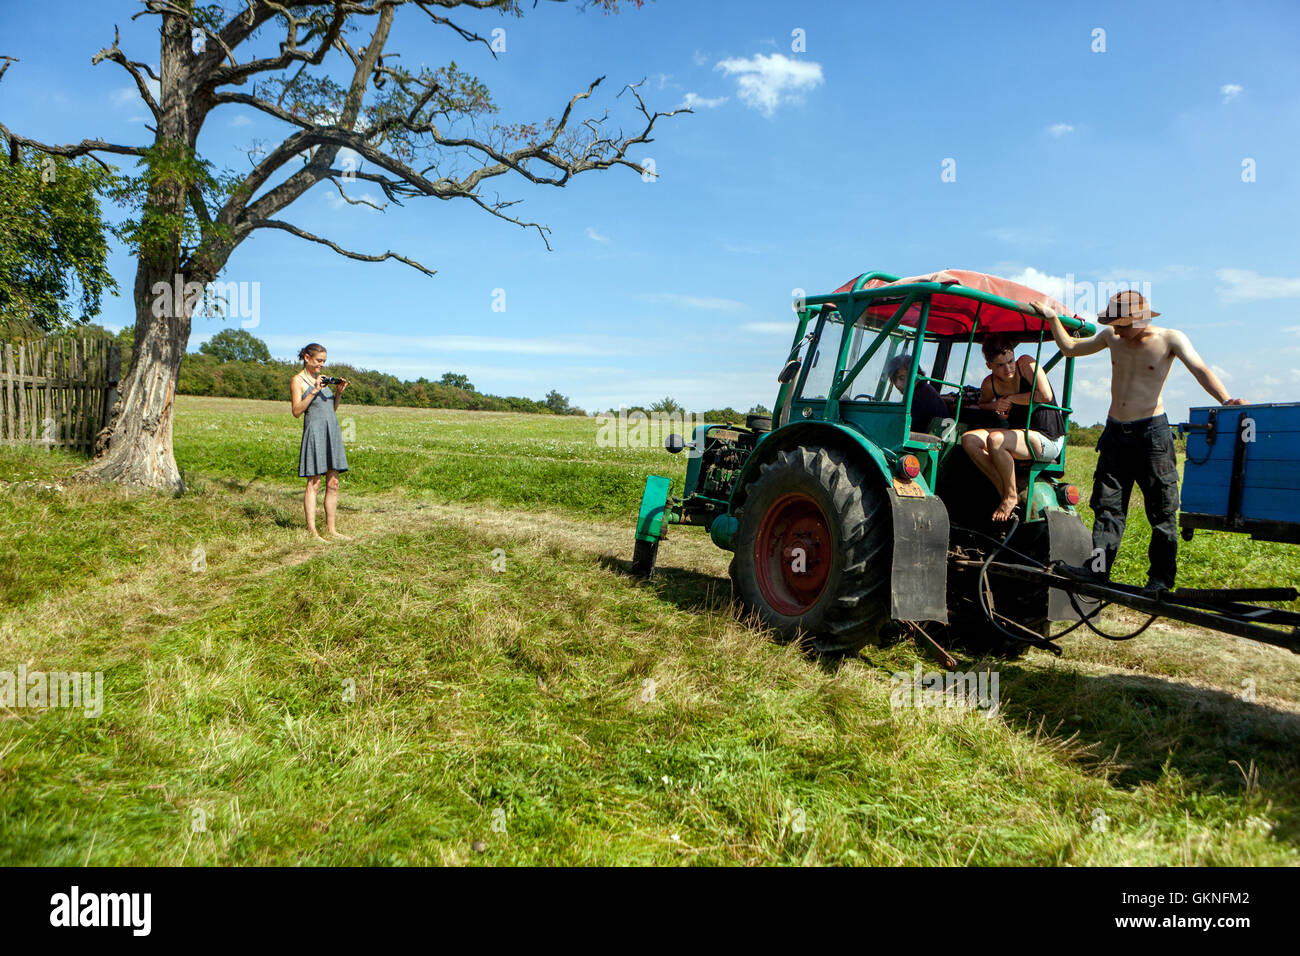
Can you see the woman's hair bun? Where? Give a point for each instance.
(311, 349)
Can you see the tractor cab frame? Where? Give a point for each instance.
(840, 515)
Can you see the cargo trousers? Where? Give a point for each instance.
(1141, 451)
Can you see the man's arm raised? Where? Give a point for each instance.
(1064, 341)
(1182, 347)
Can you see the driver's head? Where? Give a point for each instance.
(897, 370)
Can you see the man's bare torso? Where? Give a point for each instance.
(1139, 369)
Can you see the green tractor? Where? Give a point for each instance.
(850, 521)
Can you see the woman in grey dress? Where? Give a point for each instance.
(322, 439)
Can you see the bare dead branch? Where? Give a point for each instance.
(362, 201)
(134, 67)
(87, 147)
(361, 256)
(237, 73)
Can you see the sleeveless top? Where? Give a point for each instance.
(1046, 421)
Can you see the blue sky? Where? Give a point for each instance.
(798, 170)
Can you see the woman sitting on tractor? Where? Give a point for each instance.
(1006, 392)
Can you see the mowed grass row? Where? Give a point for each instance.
(393, 700)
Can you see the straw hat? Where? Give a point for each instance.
(1126, 307)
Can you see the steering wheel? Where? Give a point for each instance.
(863, 395)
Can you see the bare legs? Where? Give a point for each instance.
(309, 505)
(331, 505)
(995, 453)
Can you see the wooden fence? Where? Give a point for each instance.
(58, 392)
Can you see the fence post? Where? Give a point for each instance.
(110, 390)
(8, 372)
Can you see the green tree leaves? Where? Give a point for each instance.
(236, 345)
(53, 243)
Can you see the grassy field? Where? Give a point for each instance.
(396, 700)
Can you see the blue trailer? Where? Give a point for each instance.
(1243, 471)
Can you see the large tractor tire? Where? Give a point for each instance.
(813, 550)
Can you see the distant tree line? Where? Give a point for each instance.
(236, 364)
(669, 406)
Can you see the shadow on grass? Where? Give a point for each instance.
(692, 591)
(1139, 728)
(1134, 729)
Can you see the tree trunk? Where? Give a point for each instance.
(139, 446)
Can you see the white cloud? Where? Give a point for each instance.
(698, 302)
(1231, 91)
(699, 59)
(769, 328)
(695, 101)
(1243, 285)
(240, 121)
(766, 82)
(593, 234)
(1094, 388)
(1060, 129)
(1042, 282)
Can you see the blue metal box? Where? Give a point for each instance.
(1243, 471)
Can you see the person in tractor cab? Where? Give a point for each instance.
(1137, 444)
(927, 403)
(1006, 391)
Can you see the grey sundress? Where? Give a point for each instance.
(322, 439)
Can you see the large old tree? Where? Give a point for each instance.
(353, 111)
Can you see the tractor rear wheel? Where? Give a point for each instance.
(813, 550)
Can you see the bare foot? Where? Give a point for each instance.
(336, 534)
(315, 534)
(1005, 509)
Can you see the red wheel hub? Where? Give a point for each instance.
(793, 553)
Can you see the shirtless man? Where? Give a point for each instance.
(1137, 443)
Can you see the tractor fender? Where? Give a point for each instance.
(654, 509)
(919, 570)
(1068, 540)
(826, 434)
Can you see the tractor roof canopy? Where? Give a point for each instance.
(959, 299)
